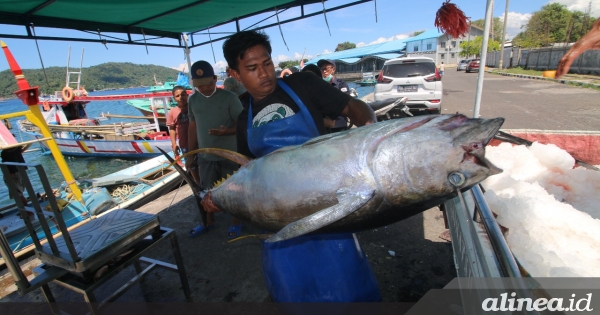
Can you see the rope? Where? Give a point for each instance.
(325, 15)
(40, 54)
(375, 10)
(211, 46)
(180, 184)
(123, 192)
(281, 32)
(102, 40)
(145, 43)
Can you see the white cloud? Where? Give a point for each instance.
(383, 40)
(297, 56)
(515, 22)
(581, 5)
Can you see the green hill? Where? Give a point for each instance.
(111, 75)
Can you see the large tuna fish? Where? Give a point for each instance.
(360, 179)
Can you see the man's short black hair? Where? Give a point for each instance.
(236, 46)
(176, 88)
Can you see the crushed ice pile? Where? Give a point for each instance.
(552, 210)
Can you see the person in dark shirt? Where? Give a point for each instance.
(328, 73)
(280, 113)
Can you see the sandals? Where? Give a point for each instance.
(235, 231)
(199, 230)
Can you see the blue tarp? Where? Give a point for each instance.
(182, 80)
(385, 50)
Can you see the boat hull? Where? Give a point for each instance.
(111, 149)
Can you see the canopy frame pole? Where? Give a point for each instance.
(484, 46)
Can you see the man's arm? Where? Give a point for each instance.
(173, 134)
(591, 40)
(192, 144)
(359, 112)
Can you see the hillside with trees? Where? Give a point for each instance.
(111, 75)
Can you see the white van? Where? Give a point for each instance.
(414, 77)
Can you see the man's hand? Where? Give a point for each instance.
(175, 149)
(208, 205)
(328, 122)
(223, 131)
(591, 40)
(359, 113)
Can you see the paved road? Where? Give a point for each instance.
(524, 103)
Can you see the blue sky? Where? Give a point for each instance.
(395, 20)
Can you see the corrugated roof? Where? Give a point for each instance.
(349, 60)
(385, 50)
(432, 33)
(387, 56)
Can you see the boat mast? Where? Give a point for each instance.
(29, 96)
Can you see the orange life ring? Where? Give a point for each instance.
(284, 72)
(67, 94)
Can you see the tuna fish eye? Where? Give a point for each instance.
(473, 146)
(457, 179)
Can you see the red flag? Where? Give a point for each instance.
(302, 64)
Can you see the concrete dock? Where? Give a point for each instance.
(219, 271)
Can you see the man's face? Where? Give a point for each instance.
(181, 97)
(327, 69)
(207, 89)
(256, 72)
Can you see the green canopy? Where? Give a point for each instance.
(150, 18)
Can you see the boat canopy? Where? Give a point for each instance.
(152, 19)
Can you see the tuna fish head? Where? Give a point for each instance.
(414, 164)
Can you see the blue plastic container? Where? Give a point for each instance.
(319, 268)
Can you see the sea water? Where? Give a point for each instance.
(81, 167)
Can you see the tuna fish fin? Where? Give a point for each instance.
(347, 204)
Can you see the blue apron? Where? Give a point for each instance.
(309, 268)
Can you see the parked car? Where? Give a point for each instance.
(462, 65)
(414, 77)
(472, 66)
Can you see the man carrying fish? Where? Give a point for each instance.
(281, 113)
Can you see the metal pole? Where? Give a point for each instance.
(68, 61)
(503, 36)
(469, 38)
(187, 56)
(484, 46)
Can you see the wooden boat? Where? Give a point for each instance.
(157, 106)
(367, 80)
(80, 200)
(77, 135)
